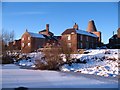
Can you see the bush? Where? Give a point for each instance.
(51, 61)
(6, 59)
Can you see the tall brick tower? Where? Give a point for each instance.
(92, 28)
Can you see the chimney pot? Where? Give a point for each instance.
(47, 29)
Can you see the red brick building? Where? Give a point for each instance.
(50, 39)
(76, 38)
(46, 31)
(15, 45)
(92, 29)
(114, 41)
(79, 39)
(31, 42)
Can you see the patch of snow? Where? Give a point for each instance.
(85, 33)
(36, 35)
(102, 62)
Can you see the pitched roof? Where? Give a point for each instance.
(69, 31)
(36, 35)
(114, 37)
(85, 33)
(50, 33)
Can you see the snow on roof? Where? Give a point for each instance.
(36, 35)
(85, 33)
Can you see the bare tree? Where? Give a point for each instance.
(66, 50)
(5, 38)
(52, 58)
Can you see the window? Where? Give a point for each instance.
(91, 39)
(92, 45)
(68, 37)
(28, 44)
(22, 39)
(72, 33)
(87, 45)
(81, 37)
(69, 44)
(87, 38)
(28, 38)
(81, 45)
(22, 44)
(14, 43)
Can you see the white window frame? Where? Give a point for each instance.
(69, 37)
(23, 39)
(22, 44)
(29, 44)
(72, 33)
(28, 38)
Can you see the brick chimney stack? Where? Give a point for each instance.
(47, 29)
(76, 26)
(118, 32)
(91, 26)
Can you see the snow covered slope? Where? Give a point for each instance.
(103, 62)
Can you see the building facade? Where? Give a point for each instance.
(114, 41)
(79, 39)
(75, 38)
(31, 42)
(14, 45)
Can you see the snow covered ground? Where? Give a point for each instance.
(102, 62)
(14, 77)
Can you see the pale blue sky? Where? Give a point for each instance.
(60, 15)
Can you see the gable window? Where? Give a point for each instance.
(22, 44)
(68, 37)
(23, 39)
(28, 44)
